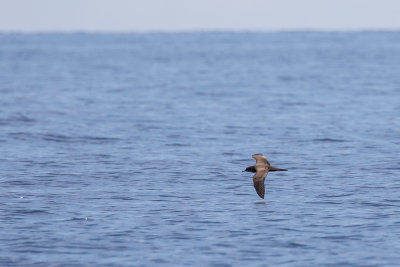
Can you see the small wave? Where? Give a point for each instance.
(78, 219)
(324, 202)
(287, 78)
(19, 182)
(78, 139)
(295, 245)
(224, 245)
(342, 237)
(335, 196)
(21, 118)
(30, 212)
(228, 154)
(377, 204)
(60, 138)
(178, 145)
(21, 135)
(332, 140)
(16, 118)
(392, 200)
(123, 198)
(294, 104)
(99, 138)
(56, 138)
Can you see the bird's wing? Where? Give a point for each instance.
(261, 159)
(258, 181)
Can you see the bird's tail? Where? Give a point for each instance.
(274, 169)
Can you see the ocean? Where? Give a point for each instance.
(128, 149)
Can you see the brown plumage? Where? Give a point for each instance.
(261, 168)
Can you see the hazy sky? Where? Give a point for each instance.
(186, 15)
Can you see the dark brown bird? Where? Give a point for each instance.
(261, 168)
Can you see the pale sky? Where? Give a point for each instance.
(195, 15)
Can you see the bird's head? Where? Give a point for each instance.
(250, 169)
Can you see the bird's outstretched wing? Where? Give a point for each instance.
(258, 181)
(260, 159)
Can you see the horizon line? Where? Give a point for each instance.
(288, 30)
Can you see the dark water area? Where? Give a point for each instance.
(128, 150)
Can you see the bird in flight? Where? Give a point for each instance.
(261, 168)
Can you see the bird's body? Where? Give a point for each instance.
(261, 169)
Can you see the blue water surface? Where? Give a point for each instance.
(127, 149)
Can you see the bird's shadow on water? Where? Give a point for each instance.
(261, 203)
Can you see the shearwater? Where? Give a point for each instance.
(261, 168)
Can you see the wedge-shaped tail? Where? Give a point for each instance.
(275, 169)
